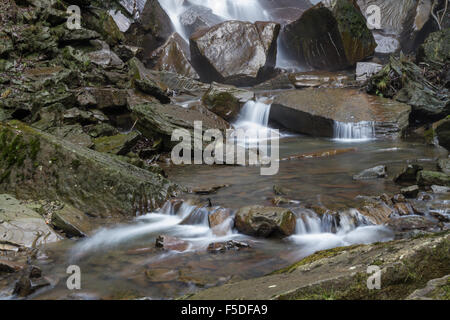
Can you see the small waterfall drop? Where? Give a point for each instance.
(354, 131)
(255, 113)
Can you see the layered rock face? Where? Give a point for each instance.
(404, 24)
(329, 38)
(235, 52)
(315, 111)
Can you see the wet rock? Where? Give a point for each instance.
(173, 56)
(329, 38)
(409, 174)
(444, 165)
(85, 179)
(403, 209)
(365, 70)
(171, 243)
(372, 173)
(436, 289)
(21, 226)
(120, 144)
(430, 178)
(410, 223)
(403, 23)
(443, 133)
(220, 221)
(226, 101)
(220, 247)
(265, 221)
(127, 53)
(315, 111)
(30, 281)
(440, 216)
(440, 189)
(321, 79)
(399, 198)
(161, 275)
(152, 28)
(197, 17)
(235, 52)
(7, 266)
(410, 192)
(72, 222)
(144, 81)
(210, 189)
(378, 212)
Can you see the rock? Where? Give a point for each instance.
(235, 52)
(329, 38)
(378, 212)
(315, 111)
(72, 222)
(198, 17)
(104, 57)
(404, 23)
(410, 192)
(409, 174)
(21, 226)
(127, 53)
(436, 289)
(7, 266)
(220, 247)
(444, 165)
(226, 101)
(440, 216)
(440, 189)
(429, 178)
(443, 133)
(221, 221)
(30, 281)
(321, 79)
(173, 56)
(108, 100)
(373, 173)
(72, 133)
(209, 189)
(171, 243)
(365, 70)
(436, 49)
(152, 28)
(162, 120)
(265, 221)
(120, 144)
(144, 81)
(410, 223)
(37, 165)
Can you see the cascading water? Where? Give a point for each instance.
(255, 113)
(357, 131)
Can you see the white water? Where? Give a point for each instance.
(190, 223)
(255, 113)
(358, 131)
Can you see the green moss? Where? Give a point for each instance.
(315, 257)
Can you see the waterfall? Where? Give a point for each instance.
(255, 113)
(357, 131)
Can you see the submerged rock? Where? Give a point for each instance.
(235, 52)
(220, 247)
(265, 221)
(171, 243)
(329, 38)
(372, 173)
(315, 112)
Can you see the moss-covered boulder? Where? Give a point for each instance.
(37, 165)
(329, 38)
(430, 178)
(120, 144)
(265, 222)
(436, 49)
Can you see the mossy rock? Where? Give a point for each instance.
(430, 178)
(120, 144)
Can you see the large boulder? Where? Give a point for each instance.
(431, 178)
(235, 52)
(37, 165)
(22, 227)
(173, 56)
(316, 111)
(436, 49)
(265, 221)
(152, 28)
(329, 38)
(443, 133)
(404, 24)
